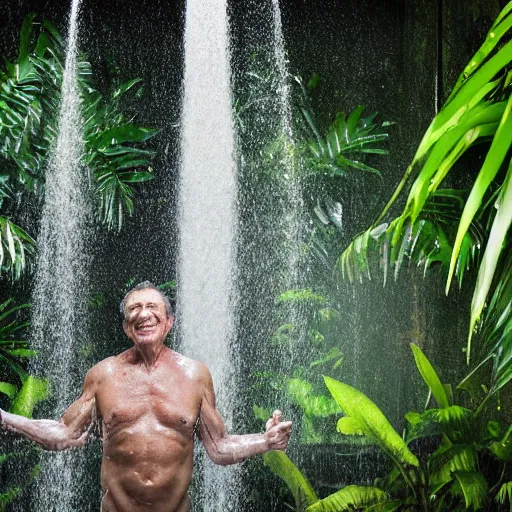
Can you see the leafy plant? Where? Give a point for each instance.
(466, 470)
(347, 141)
(454, 227)
(23, 390)
(30, 92)
(16, 248)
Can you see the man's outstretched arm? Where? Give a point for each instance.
(225, 449)
(71, 430)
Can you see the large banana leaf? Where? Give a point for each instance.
(352, 497)
(371, 421)
(281, 465)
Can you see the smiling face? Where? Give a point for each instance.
(146, 321)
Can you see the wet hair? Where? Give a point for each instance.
(146, 285)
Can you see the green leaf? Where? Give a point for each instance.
(495, 244)
(301, 394)
(352, 497)
(430, 376)
(500, 146)
(135, 177)
(124, 133)
(474, 488)
(281, 465)
(503, 449)
(8, 389)
(31, 393)
(505, 494)
(349, 426)
(372, 422)
(448, 459)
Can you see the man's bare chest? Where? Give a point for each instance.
(134, 399)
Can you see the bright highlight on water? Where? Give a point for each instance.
(59, 322)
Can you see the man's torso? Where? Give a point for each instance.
(148, 421)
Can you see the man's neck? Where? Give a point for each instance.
(148, 355)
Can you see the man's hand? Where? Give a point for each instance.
(277, 432)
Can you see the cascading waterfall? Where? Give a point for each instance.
(58, 323)
(208, 219)
(291, 189)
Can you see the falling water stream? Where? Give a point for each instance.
(58, 324)
(208, 220)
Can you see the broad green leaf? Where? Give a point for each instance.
(31, 393)
(372, 422)
(352, 497)
(349, 426)
(503, 449)
(474, 488)
(446, 460)
(430, 376)
(8, 389)
(281, 465)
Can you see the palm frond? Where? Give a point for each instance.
(346, 144)
(16, 248)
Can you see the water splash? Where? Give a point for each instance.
(208, 219)
(292, 203)
(59, 324)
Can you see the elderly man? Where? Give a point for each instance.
(149, 402)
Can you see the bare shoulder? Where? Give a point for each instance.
(195, 370)
(100, 370)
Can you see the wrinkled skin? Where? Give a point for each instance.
(149, 403)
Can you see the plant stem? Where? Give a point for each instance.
(396, 193)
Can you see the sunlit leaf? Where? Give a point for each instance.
(372, 422)
(352, 497)
(281, 465)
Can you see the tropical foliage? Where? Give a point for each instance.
(22, 390)
(30, 90)
(459, 229)
(466, 470)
